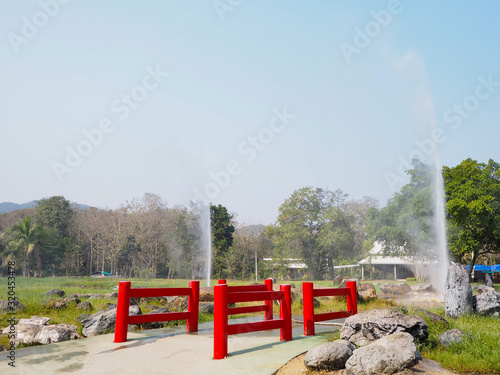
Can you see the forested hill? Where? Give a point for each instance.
(6, 207)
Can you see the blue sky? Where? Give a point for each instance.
(240, 102)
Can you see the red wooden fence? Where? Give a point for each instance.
(125, 292)
(308, 304)
(224, 295)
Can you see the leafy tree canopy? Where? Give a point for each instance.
(473, 209)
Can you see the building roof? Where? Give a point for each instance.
(376, 256)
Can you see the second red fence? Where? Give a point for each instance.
(224, 295)
(308, 304)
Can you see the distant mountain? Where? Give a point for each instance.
(7, 207)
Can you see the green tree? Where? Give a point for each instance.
(54, 217)
(24, 236)
(222, 237)
(473, 209)
(404, 226)
(313, 225)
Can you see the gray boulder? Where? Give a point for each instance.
(487, 303)
(397, 289)
(38, 331)
(55, 292)
(488, 281)
(329, 356)
(390, 354)
(485, 289)
(363, 328)
(104, 321)
(10, 306)
(453, 336)
(457, 292)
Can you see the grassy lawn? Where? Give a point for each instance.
(482, 355)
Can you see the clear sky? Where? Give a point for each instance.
(240, 102)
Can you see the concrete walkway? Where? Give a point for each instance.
(166, 351)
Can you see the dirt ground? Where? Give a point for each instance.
(426, 366)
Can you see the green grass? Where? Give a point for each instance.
(481, 356)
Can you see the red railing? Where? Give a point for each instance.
(224, 295)
(308, 304)
(125, 292)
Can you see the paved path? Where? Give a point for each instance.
(165, 351)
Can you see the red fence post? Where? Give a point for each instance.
(308, 308)
(193, 306)
(122, 310)
(222, 281)
(352, 302)
(220, 321)
(286, 313)
(269, 304)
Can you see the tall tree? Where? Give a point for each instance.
(473, 209)
(404, 226)
(313, 225)
(222, 237)
(24, 235)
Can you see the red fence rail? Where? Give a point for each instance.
(308, 304)
(125, 292)
(224, 295)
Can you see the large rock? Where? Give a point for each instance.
(338, 279)
(104, 321)
(10, 306)
(366, 292)
(457, 292)
(485, 289)
(55, 292)
(397, 289)
(329, 356)
(86, 305)
(37, 331)
(487, 303)
(389, 355)
(363, 328)
(453, 336)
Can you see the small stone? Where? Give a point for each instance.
(55, 292)
(397, 289)
(86, 305)
(453, 336)
(207, 307)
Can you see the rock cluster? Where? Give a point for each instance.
(372, 343)
(37, 330)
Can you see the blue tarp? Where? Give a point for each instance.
(481, 267)
(495, 269)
